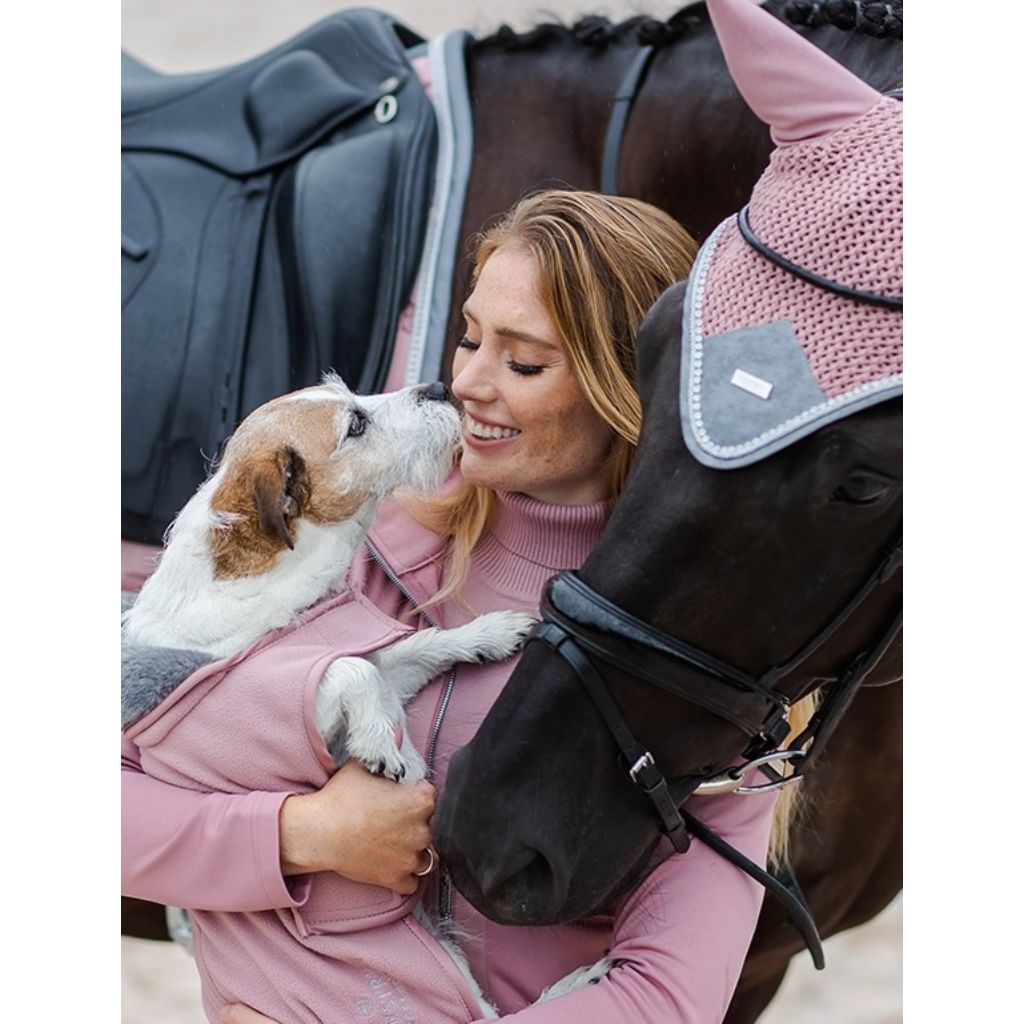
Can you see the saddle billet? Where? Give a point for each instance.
(273, 217)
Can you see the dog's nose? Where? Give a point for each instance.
(435, 392)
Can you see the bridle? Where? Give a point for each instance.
(582, 626)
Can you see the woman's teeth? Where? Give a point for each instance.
(486, 432)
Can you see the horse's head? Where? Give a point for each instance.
(758, 538)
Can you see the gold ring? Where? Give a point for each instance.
(431, 864)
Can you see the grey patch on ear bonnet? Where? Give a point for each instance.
(726, 426)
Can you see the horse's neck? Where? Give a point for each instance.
(539, 118)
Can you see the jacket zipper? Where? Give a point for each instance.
(444, 897)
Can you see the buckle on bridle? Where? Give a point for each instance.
(641, 764)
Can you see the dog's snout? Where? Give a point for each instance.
(435, 392)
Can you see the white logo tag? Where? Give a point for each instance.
(748, 382)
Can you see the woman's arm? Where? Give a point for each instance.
(216, 851)
(210, 851)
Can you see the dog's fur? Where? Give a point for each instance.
(273, 531)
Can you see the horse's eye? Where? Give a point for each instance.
(357, 424)
(863, 487)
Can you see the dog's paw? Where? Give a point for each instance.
(415, 768)
(498, 635)
(374, 746)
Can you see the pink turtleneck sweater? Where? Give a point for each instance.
(679, 939)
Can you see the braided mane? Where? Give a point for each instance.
(884, 20)
(869, 17)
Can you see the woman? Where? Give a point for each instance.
(545, 375)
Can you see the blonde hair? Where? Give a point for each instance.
(602, 261)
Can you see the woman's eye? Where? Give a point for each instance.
(357, 425)
(862, 487)
(526, 369)
(465, 343)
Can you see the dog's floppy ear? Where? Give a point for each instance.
(281, 489)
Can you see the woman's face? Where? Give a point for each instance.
(528, 426)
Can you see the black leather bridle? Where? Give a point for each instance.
(583, 627)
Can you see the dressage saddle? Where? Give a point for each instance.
(272, 222)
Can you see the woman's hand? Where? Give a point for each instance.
(363, 827)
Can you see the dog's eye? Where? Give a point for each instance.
(357, 424)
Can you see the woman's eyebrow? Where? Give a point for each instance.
(512, 332)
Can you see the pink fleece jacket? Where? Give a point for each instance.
(324, 949)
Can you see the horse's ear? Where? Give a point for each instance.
(799, 91)
(280, 491)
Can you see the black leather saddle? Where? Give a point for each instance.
(272, 220)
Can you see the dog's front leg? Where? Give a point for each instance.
(358, 714)
(411, 663)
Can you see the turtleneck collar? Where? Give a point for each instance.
(529, 540)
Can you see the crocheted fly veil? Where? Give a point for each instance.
(793, 314)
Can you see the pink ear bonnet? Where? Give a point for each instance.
(794, 308)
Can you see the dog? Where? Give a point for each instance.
(273, 531)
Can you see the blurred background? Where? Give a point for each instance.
(863, 981)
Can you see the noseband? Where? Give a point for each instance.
(583, 626)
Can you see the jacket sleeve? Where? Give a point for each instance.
(680, 939)
(205, 851)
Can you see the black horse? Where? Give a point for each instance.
(747, 565)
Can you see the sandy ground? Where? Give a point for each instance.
(862, 984)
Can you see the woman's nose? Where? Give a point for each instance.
(473, 380)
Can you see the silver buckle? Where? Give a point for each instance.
(645, 761)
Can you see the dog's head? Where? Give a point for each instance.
(322, 455)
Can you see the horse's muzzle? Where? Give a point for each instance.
(491, 858)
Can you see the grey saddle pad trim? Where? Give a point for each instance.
(447, 58)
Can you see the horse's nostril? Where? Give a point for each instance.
(526, 881)
(435, 392)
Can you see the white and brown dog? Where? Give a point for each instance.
(274, 530)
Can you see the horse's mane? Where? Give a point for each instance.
(884, 20)
(870, 17)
